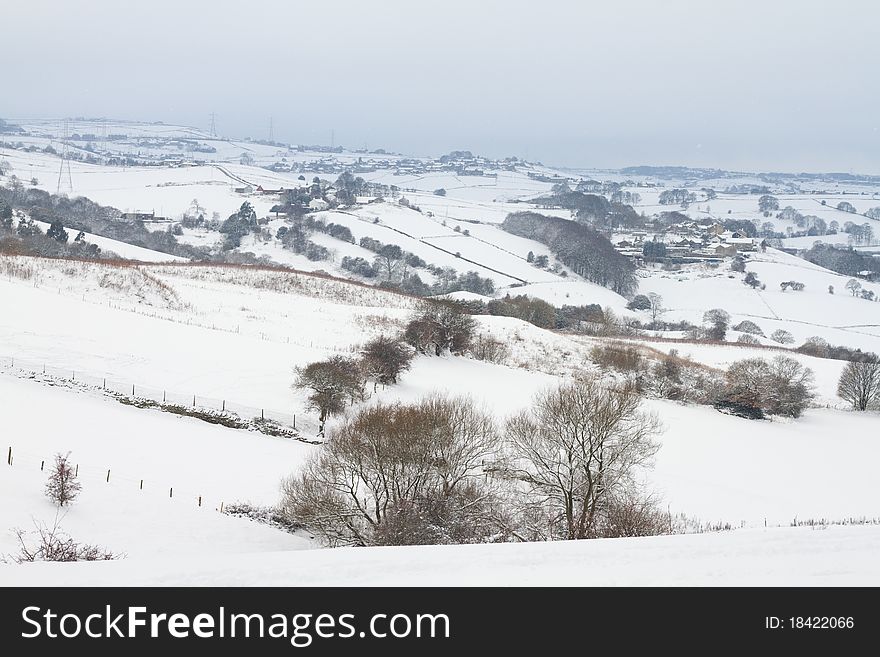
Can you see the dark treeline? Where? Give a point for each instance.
(82, 214)
(593, 209)
(538, 312)
(843, 261)
(580, 247)
(24, 237)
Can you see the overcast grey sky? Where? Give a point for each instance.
(774, 84)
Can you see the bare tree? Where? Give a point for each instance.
(334, 383)
(751, 280)
(718, 321)
(782, 336)
(859, 383)
(656, 306)
(440, 327)
(578, 447)
(853, 286)
(385, 359)
(405, 464)
(62, 486)
(755, 386)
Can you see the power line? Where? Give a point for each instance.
(65, 159)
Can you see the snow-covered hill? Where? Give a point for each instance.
(840, 318)
(231, 337)
(236, 333)
(836, 556)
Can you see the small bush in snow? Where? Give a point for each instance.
(62, 487)
(268, 515)
(442, 326)
(619, 356)
(681, 379)
(51, 544)
(489, 349)
(755, 386)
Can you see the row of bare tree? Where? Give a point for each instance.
(442, 471)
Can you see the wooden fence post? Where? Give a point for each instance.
(76, 471)
(142, 484)
(42, 465)
(171, 492)
(9, 457)
(108, 475)
(200, 500)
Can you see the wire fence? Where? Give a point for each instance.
(158, 395)
(92, 475)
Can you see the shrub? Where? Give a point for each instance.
(62, 487)
(782, 336)
(54, 545)
(681, 379)
(385, 359)
(746, 326)
(490, 349)
(619, 356)
(815, 346)
(416, 467)
(639, 302)
(334, 383)
(442, 326)
(755, 386)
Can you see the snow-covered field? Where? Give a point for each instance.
(237, 333)
(840, 318)
(836, 556)
(179, 460)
